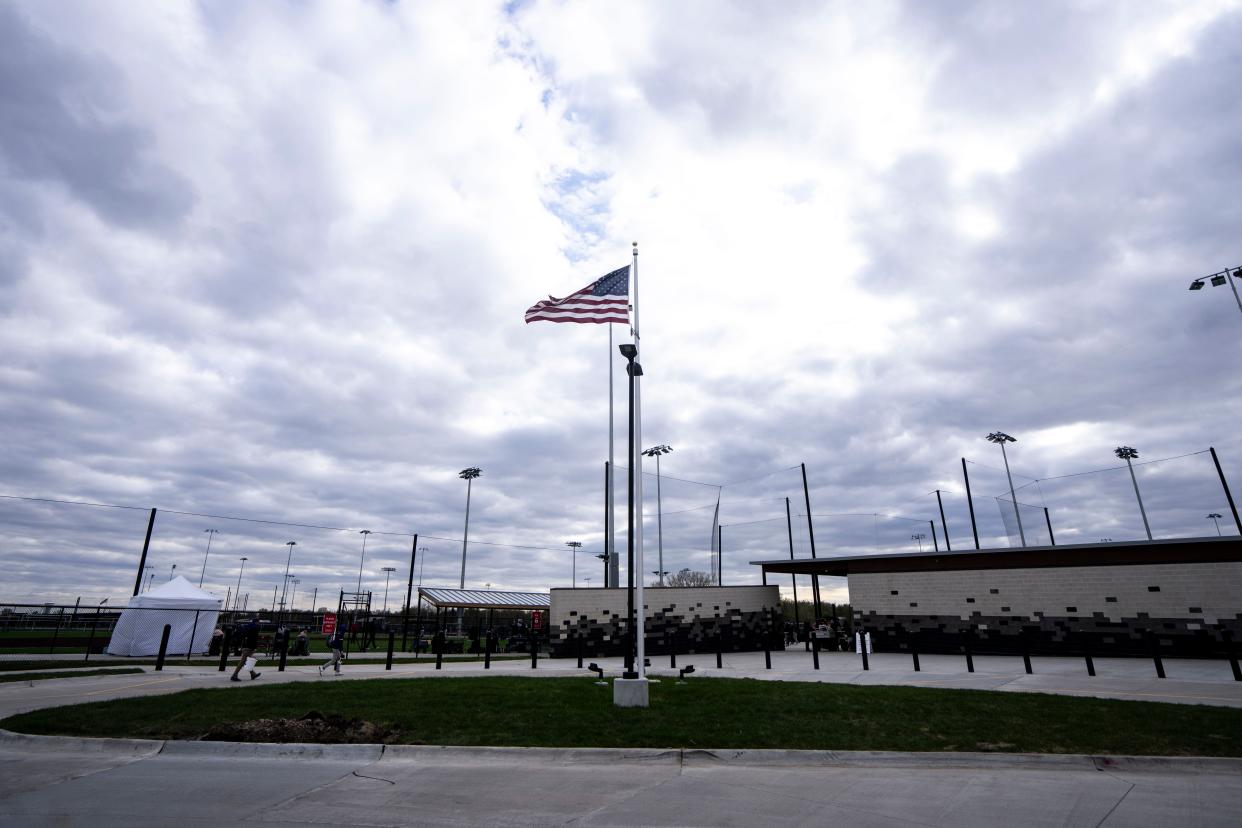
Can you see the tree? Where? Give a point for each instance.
(689, 578)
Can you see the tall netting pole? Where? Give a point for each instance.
(974, 527)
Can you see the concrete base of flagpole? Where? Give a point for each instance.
(629, 692)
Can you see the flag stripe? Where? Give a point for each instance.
(604, 300)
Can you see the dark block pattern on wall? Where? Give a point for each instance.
(1049, 635)
(686, 630)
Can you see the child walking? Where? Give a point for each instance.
(336, 643)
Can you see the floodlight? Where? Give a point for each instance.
(1001, 437)
(1125, 452)
(628, 350)
(1218, 280)
(634, 369)
(1197, 284)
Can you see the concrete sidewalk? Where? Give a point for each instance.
(100, 782)
(1188, 682)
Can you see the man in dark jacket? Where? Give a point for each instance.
(249, 643)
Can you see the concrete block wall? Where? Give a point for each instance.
(1108, 609)
(686, 619)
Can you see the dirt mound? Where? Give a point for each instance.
(314, 727)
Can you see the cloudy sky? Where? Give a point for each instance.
(270, 260)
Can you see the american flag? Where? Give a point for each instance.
(605, 300)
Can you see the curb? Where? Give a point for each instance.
(79, 744)
(447, 754)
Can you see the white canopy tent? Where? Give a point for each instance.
(141, 625)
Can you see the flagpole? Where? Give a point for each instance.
(636, 459)
(610, 539)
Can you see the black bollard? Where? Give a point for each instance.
(90, 640)
(814, 645)
(1231, 654)
(719, 649)
(391, 642)
(534, 653)
(159, 659)
(1154, 643)
(284, 652)
(862, 647)
(970, 658)
(225, 646)
(487, 651)
(1086, 653)
(578, 636)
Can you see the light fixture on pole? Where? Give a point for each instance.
(387, 570)
(574, 545)
(1228, 275)
(587, 581)
(172, 572)
(1126, 453)
(1000, 438)
(918, 537)
(605, 557)
(659, 573)
(1215, 518)
(237, 592)
(363, 559)
(285, 584)
(656, 451)
(467, 475)
(634, 370)
(210, 534)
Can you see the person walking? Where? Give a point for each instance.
(249, 644)
(336, 643)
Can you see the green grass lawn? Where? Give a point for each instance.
(706, 713)
(70, 674)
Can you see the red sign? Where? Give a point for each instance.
(536, 619)
(329, 623)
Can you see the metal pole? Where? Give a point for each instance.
(465, 537)
(943, 525)
(285, 582)
(146, 544)
(1142, 511)
(237, 592)
(608, 483)
(1215, 459)
(660, 520)
(1013, 495)
(362, 560)
(1234, 288)
(629, 536)
(935, 540)
(719, 556)
(210, 534)
(810, 528)
(1048, 521)
(974, 529)
(612, 564)
(409, 591)
(792, 577)
(636, 459)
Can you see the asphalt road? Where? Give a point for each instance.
(47, 781)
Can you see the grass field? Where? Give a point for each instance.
(707, 713)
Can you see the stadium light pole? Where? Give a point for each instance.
(387, 570)
(362, 560)
(1126, 453)
(210, 534)
(422, 565)
(1218, 279)
(172, 572)
(237, 592)
(656, 451)
(293, 594)
(1215, 518)
(467, 475)
(918, 537)
(1000, 438)
(285, 583)
(573, 572)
